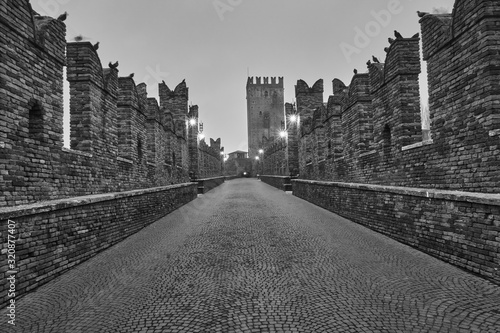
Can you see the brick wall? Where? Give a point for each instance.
(125, 148)
(210, 158)
(207, 184)
(458, 227)
(389, 174)
(274, 158)
(380, 138)
(280, 182)
(119, 138)
(56, 235)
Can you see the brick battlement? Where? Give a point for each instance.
(120, 138)
(371, 131)
(264, 82)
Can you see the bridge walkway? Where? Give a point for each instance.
(246, 257)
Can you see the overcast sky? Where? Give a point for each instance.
(213, 43)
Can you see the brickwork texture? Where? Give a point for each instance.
(129, 160)
(120, 139)
(370, 133)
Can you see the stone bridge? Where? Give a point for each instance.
(370, 225)
(247, 257)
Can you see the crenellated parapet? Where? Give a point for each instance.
(303, 88)
(334, 106)
(458, 47)
(210, 159)
(84, 63)
(176, 101)
(216, 145)
(153, 111)
(373, 128)
(130, 95)
(403, 58)
(308, 98)
(358, 91)
(319, 116)
(120, 139)
(265, 82)
(335, 101)
(48, 35)
(92, 130)
(396, 97)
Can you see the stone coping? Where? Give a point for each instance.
(473, 197)
(275, 176)
(76, 152)
(121, 159)
(418, 145)
(371, 152)
(52, 205)
(212, 178)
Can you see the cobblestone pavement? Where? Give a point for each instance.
(247, 257)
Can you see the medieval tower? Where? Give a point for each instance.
(265, 112)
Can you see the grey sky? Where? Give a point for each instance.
(211, 43)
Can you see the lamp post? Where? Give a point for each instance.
(261, 153)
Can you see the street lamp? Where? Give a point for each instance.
(293, 118)
(192, 121)
(261, 152)
(283, 134)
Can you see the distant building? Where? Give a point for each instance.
(238, 163)
(265, 111)
(237, 154)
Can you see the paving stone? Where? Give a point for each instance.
(246, 257)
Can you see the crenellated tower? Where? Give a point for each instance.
(265, 111)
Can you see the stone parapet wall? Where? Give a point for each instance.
(53, 236)
(207, 184)
(280, 182)
(458, 227)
